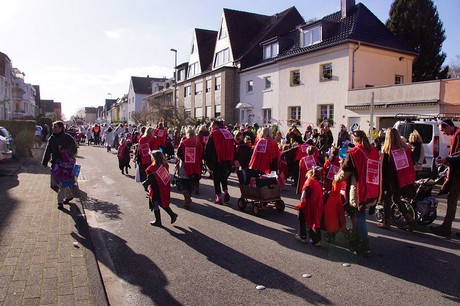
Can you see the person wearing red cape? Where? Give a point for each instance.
(266, 154)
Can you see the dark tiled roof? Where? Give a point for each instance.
(109, 103)
(143, 85)
(362, 25)
(206, 43)
(277, 25)
(242, 27)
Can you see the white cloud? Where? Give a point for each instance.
(115, 34)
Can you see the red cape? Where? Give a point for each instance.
(192, 150)
(164, 187)
(264, 152)
(312, 205)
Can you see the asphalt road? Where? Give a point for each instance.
(217, 255)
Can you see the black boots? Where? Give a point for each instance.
(157, 221)
(171, 214)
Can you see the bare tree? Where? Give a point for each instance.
(454, 67)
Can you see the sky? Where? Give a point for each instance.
(83, 52)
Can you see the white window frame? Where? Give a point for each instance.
(208, 85)
(271, 50)
(249, 86)
(218, 84)
(295, 112)
(222, 57)
(267, 82)
(198, 88)
(294, 77)
(266, 115)
(187, 91)
(222, 31)
(326, 72)
(326, 111)
(193, 69)
(312, 36)
(199, 112)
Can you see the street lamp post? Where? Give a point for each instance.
(175, 81)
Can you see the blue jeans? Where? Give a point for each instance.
(362, 225)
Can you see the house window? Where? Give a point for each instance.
(208, 85)
(249, 86)
(294, 113)
(267, 82)
(271, 50)
(222, 31)
(326, 72)
(312, 36)
(198, 88)
(399, 79)
(222, 57)
(180, 75)
(267, 115)
(188, 113)
(192, 69)
(208, 111)
(198, 112)
(218, 85)
(326, 111)
(187, 91)
(217, 113)
(295, 77)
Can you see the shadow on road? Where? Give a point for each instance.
(245, 266)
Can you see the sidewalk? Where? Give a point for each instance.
(46, 254)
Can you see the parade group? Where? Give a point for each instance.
(334, 178)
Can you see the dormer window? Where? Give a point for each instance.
(271, 50)
(222, 31)
(222, 57)
(311, 36)
(192, 69)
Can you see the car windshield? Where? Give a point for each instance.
(4, 132)
(425, 130)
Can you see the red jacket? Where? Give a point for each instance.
(145, 146)
(264, 153)
(334, 215)
(301, 151)
(403, 166)
(161, 135)
(223, 141)
(312, 204)
(164, 187)
(329, 170)
(192, 153)
(305, 164)
(367, 165)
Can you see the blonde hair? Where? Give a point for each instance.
(392, 141)
(415, 137)
(190, 132)
(265, 132)
(148, 131)
(315, 173)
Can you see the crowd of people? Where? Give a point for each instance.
(330, 185)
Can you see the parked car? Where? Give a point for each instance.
(7, 145)
(434, 143)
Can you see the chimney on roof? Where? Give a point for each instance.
(346, 7)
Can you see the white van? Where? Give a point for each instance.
(434, 143)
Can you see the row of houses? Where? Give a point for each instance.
(347, 67)
(21, 100)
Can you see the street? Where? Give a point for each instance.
(217, 255)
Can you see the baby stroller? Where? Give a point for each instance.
(262, 193)
(422, 208)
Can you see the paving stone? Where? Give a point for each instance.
(81, 293)
(50, 283)
(65, 300)
(31, 302)
(32, 291)
(48, 297)
(22, 274)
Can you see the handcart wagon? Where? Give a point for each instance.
(266, 196)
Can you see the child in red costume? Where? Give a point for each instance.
(330, 168)
(334, 214)
(307, 163)
(311, 208)
(159, 188)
